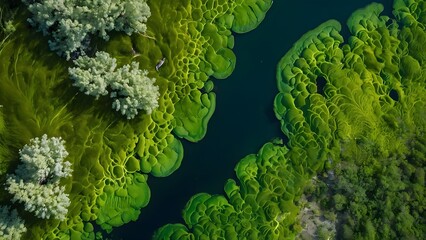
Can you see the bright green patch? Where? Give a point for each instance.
(261, 206)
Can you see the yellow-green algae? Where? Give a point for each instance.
(260, 207)
(196, 40)
(362, 102)
(355, 101)
(111, 156)
(37, 98)
(336, 101)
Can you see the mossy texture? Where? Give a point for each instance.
(112, 156)
(358, 78)
(195, 39)
(363, 100)
(38, 98)
(360, 106)
(261, 206)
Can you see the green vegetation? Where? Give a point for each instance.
(369, 116)
(11, 225)
(354, 114)
(72, 23)
(36, 181)
(261, 206)
(130, 86)
(111, 157)
(378, 196)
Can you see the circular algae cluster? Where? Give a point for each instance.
(111, 157)
(261, 207)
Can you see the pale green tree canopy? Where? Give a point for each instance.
(36, 181)
(11, 225)
(71, 23)
(130, 87)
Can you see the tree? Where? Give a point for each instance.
(71, 23)
(134, 90)
(131, 88)
(11, 225)
(339, 202)
(93, 75)
(36, 181)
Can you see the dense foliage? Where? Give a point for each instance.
(361, 106)
(131, 88)
(11, 225)
(36, 181)
(72, 23)
(377, 196)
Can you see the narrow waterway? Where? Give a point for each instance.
(244, 118)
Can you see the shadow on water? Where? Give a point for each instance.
(244, 119)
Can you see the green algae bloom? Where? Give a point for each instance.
(360, 102)
(259, 207)
(111, 157)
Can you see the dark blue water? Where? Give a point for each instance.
(244, 118)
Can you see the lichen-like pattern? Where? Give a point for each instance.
(355, 100)
(308, 131)
(261, 207)
(38, 98)
(195, 39)
(371, 87)
(111, 156)
(363, 103)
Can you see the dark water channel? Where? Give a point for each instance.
(244, 118)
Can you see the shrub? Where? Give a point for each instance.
(72, 22)
(36, 180)
(11, 225)
(131, 88)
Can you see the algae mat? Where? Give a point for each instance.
(362, 100)
(112, 157)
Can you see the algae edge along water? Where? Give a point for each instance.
(370, 114)
(115, 184)
(261, 63)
